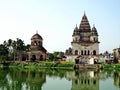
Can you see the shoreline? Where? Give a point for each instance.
(56, 65)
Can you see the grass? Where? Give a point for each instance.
(53, 64)
(42, 64)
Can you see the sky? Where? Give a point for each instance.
(55, 21)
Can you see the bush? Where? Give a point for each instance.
(66, 64)
(108, 66)
(49, 64)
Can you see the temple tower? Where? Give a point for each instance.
(37, 51)
(85, 39)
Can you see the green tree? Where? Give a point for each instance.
(9, 42)
(68, 51)
(14, 46)
(9, 45)
(51, 56)
(20, 47)
(106, 52)
(27, 47)
(3, 52)
(61, 54)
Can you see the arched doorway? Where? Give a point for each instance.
(41, 57)
(76, 52)
(33, 58)
(85, 52)
(81, 52)
(94, 52)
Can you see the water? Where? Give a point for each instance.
(56, 79)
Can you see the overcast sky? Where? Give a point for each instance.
(55, 21)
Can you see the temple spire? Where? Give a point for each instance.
(84, 13)
(37, 31)
(84, 25)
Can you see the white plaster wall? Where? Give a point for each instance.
(91, 47)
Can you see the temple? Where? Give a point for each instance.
(37, 51)
(85, 39)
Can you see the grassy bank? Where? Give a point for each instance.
(39, 65)
(111, 66)
(53, 64)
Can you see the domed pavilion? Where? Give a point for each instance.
(37, 51)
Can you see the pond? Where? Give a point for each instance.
(57, 79)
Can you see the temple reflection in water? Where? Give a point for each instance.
(15, 79)
(84, 80)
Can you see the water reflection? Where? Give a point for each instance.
(22, 80)
(85, 80)
(14, 79)
(117, 79)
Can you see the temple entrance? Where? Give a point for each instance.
(85, 52)
(76, 52)
(94, 52)
(33, 58)
(41, 57)
(81, 52)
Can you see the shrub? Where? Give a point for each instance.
(66, 64)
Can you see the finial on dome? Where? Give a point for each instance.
(93, 25)
(76, 25)
(76, 28)
(37, 31)
(84, 13)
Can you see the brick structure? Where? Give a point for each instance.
(37, 51)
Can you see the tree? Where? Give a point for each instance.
(14, 49)
(3, 52)
(106, 52)
(20, 46)
(10, 48)
(27, 47)
(68, 51)
(51, 56)
(61, 54)
(9, 42)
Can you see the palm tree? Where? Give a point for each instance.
(3, 52)
(14, 48)
(9, 45)
(20, 46)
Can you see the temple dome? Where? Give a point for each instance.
(36, 36)
(94, 31)
(76, 30)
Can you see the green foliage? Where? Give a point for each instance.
(38, 65)
(51, 57)
(11, 49)
(66, 64)
(3, 52)
(117, 66)
(20, 45)
(106, 52)
(108, 66)
(49, 64)
(68, 51)
(55, 56)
